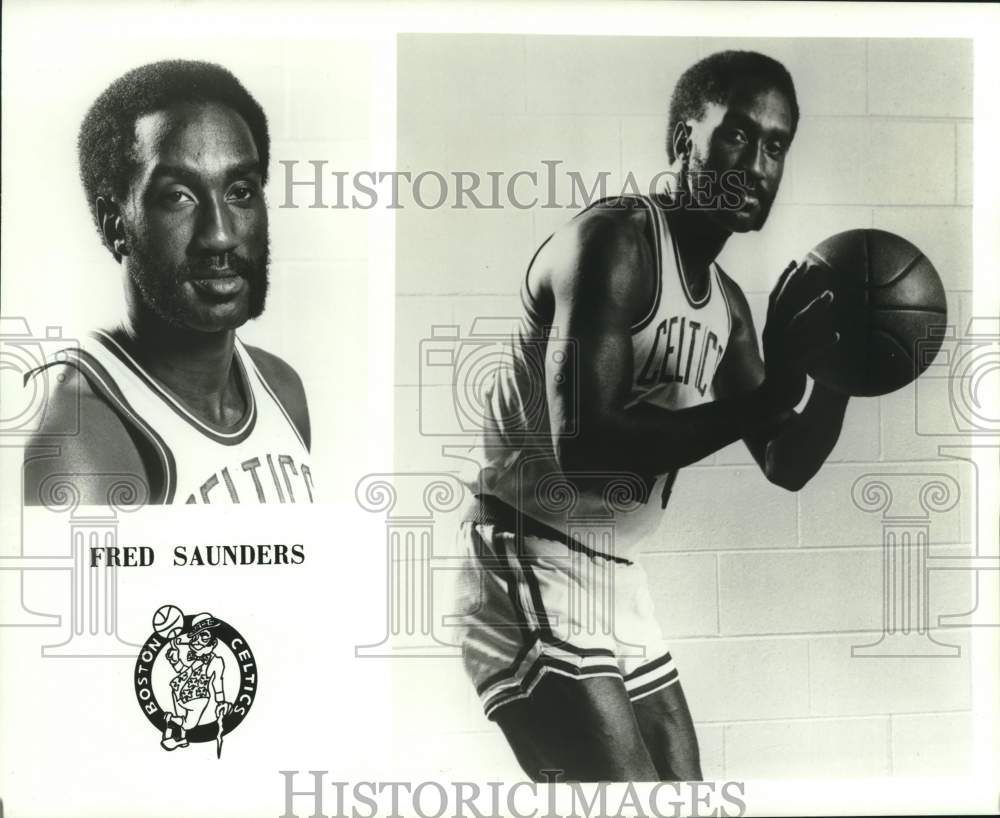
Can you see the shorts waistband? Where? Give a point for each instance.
(488, 509)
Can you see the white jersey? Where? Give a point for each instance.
(262, 459)
(676, 347)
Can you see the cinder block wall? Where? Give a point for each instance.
(762, 592)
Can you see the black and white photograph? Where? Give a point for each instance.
(173, 159)
(185, 407)
(674, 317)
(170, 288)
(499, 409)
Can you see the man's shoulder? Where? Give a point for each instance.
(287, 385)
(606, 248)
(79, 436)
(618, 224)
(71, 408)
(279, 374)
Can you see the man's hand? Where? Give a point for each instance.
(222, 709)
(798, 330)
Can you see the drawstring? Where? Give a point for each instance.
(668, 486)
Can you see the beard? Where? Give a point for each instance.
(724, 195)
(161, 283)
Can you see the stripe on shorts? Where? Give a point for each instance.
(651, 677)
(542, 652)
(544, 663)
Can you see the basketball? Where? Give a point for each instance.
(168, 621)
(887, 297)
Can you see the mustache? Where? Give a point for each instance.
(212, 266)
(740, 183)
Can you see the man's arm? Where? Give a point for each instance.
(82, 442)
(792, 451)
(287, 386)
(599, 272)
(216, 671)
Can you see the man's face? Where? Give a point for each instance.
(195, 220)
(201, 643)
(744, 142)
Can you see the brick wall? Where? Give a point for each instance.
(763, 593)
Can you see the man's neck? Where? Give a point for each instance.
(699, 242)
(196, 367)
(699, 239)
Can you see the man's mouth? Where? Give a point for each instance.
(218, 279)
(219, 264)
(220, 287)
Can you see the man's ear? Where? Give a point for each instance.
(681, 141)
(109, 219)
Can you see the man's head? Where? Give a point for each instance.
(733, 116)
(203, 643)
(173, 159)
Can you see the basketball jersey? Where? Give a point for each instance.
(676, 349)
(262, 459)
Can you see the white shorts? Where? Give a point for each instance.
(530, 606)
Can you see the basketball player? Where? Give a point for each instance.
(173, 158)
(650, 362)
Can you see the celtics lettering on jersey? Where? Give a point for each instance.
(679, 355)
(260, 460)
(275, 480)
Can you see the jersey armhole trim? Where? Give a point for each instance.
(528, 301)
(250, 364)
(654, 215)
(719, 273)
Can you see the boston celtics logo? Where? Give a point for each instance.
(195, 678)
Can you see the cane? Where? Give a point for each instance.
(218, 737)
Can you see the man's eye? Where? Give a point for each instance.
(776, 149)
(241, 193)
(737, 136)
(175, 197)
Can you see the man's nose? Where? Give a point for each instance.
(217, 232)
(755, 161)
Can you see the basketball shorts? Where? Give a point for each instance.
(529, 606)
